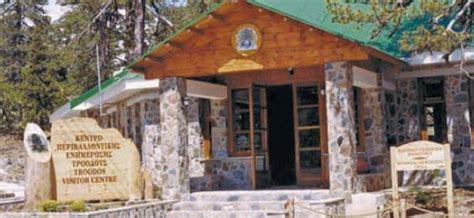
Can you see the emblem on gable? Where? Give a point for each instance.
(246, 39)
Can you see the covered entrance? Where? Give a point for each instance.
(280, 124)
(294, 134)
(281, 142)
(258, 140)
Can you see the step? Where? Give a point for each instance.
(241, 205)
(239, 214)
(260, 195)
(227, 206)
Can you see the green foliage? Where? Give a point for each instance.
(421, 196)
(433, 18)
(77, 206)
(42, 64)
(49, 206)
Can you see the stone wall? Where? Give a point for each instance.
(402, 115)
(218, 118)
(195, 139)
(232, 173)
(463, 166)
(374, 129)
(457, 110)
(408, 126)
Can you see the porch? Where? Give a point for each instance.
(272, 130)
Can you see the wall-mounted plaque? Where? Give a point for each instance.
(246, 39)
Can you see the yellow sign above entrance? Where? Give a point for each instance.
(239, 65)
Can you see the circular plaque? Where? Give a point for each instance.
(246, 40)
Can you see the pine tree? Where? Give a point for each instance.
(443, 26)
(16, 18)
(45, 83)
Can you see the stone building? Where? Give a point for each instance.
(265, 94)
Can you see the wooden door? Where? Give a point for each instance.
(258, 134)
(309, 119)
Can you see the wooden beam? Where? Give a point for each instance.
(397, 62)
(216, 16)
(206, 90)
(431, 71)
(138, 69)
(195, 30)
(154, 59)
(174, 44)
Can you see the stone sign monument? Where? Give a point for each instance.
(421, 155)
(92, 163)
(38, 184)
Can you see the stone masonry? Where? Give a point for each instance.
(376, 150)
(173, 161)
(403, 113)
(341, 126)
(219, 129)
(195, 149)
(457, 110)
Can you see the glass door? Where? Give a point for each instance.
(308, 133)
(258, 135)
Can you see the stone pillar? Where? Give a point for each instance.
(151, 140)
(341, 128)
(173, 161)
(457, 110)
(374, 127)
(219, 129)
(195, 149)
(408, 126)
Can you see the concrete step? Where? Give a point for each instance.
(261, 195)
(226, 206)
(239, 214)
(242, 205)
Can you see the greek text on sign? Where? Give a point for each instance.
(92, 163)
(420, 156)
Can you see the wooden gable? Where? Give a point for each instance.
(206, 48)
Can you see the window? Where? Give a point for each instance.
(433, 114)
(241, 120)
(308, 127)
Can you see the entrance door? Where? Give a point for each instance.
(281, 142)
(258, 136)
(287, 135)
(309, 134)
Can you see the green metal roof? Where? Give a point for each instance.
(122, 75)
(310, 12)
(314, 13)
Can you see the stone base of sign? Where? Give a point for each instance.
(38, 172)
(38, 184)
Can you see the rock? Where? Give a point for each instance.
(92, 163)
(38, 184)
